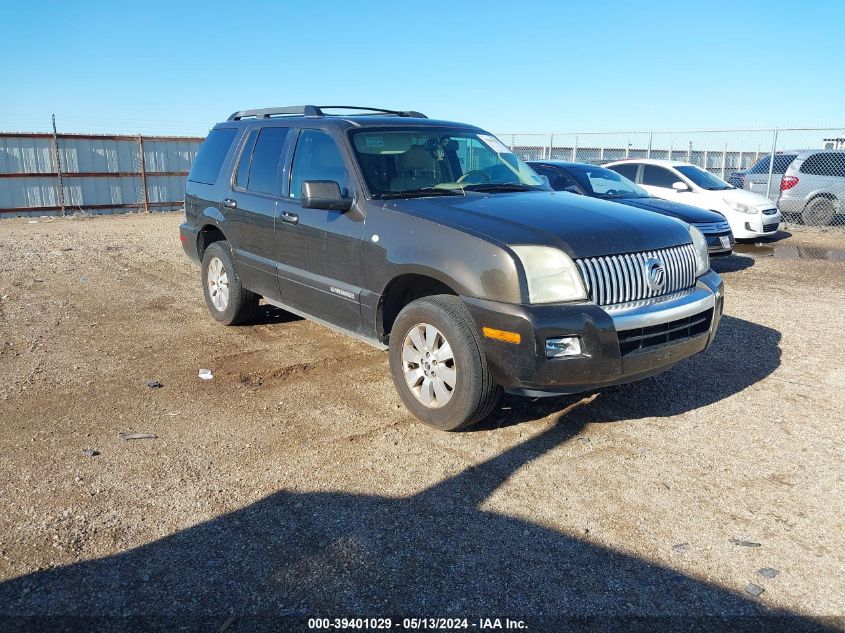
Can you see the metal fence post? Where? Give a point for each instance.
(143, 173)
(724, 160)
(575, 149)
(772, 163)
(58, 161)
(648, 151)
(551, 144)
(689, 152)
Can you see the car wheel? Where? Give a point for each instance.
(819, 212)
(227, 300)
(438, 365)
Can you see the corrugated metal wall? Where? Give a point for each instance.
(99, 173)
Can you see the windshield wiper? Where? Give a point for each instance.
(422, 192)
(493, 187)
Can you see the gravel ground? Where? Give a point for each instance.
(295, 484)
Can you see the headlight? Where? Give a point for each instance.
(738, 206)
(552, 275)
(699, 246)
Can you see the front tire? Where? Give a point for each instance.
(438, 365)
(227, 300)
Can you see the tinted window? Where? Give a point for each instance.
(832, 164)
(210, 158)
(242, 175)
(658, 177)
(782, 161)
(629, 171)
(317, 158)
(558, 179)
(264, 170)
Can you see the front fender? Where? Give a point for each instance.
(398, 244)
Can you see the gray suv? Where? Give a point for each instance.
(433, 240)
(813, 187)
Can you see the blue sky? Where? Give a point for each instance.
(179, 67)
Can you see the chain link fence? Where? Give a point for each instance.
(802, 170)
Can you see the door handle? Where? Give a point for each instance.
(292, 218)
(228, 202)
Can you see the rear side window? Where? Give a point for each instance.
(832, 164)
(263, 174)
(658, 177)
(210, 158)
(242, 175)
(629, 171)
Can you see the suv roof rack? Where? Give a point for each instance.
(317, 111)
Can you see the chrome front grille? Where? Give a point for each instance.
(616, 279)
(710, 228)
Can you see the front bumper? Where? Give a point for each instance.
(716, 244)
(608, 337)
(758, 225)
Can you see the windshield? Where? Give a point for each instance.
(605, 183)
(782, 161)
(419, 161)
(703, 179)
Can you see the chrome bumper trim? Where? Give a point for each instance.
(637, 314)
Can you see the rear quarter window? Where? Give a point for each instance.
(210, 158)
(832, 164)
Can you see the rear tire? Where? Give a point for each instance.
(819, 212)
(227, 300)
(438, 365)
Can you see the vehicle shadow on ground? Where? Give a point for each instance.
(742, 354)
(731, 264)
(269, 315)
(435, 553)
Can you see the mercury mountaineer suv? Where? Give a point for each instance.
(433, 240)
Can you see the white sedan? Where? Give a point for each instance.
(749, 214)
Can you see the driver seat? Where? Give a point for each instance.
(415, 169)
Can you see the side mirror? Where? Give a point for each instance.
(324, 194)
(679, 186)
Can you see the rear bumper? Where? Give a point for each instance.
(610, 339)
(188, 236)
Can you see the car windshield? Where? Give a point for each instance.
(429, 161)
(605, 183)
(782, 161)
(703, 179)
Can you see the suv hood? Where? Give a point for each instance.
(685, 212)
(577, 225)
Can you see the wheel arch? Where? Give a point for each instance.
(208, 235)
(402, 290)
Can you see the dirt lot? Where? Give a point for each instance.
(295, 484)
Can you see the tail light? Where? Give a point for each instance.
(788, 182)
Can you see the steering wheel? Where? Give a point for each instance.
(471, 175)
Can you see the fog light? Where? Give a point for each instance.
(564, 346)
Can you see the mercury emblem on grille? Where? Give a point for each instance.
(655, 274)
